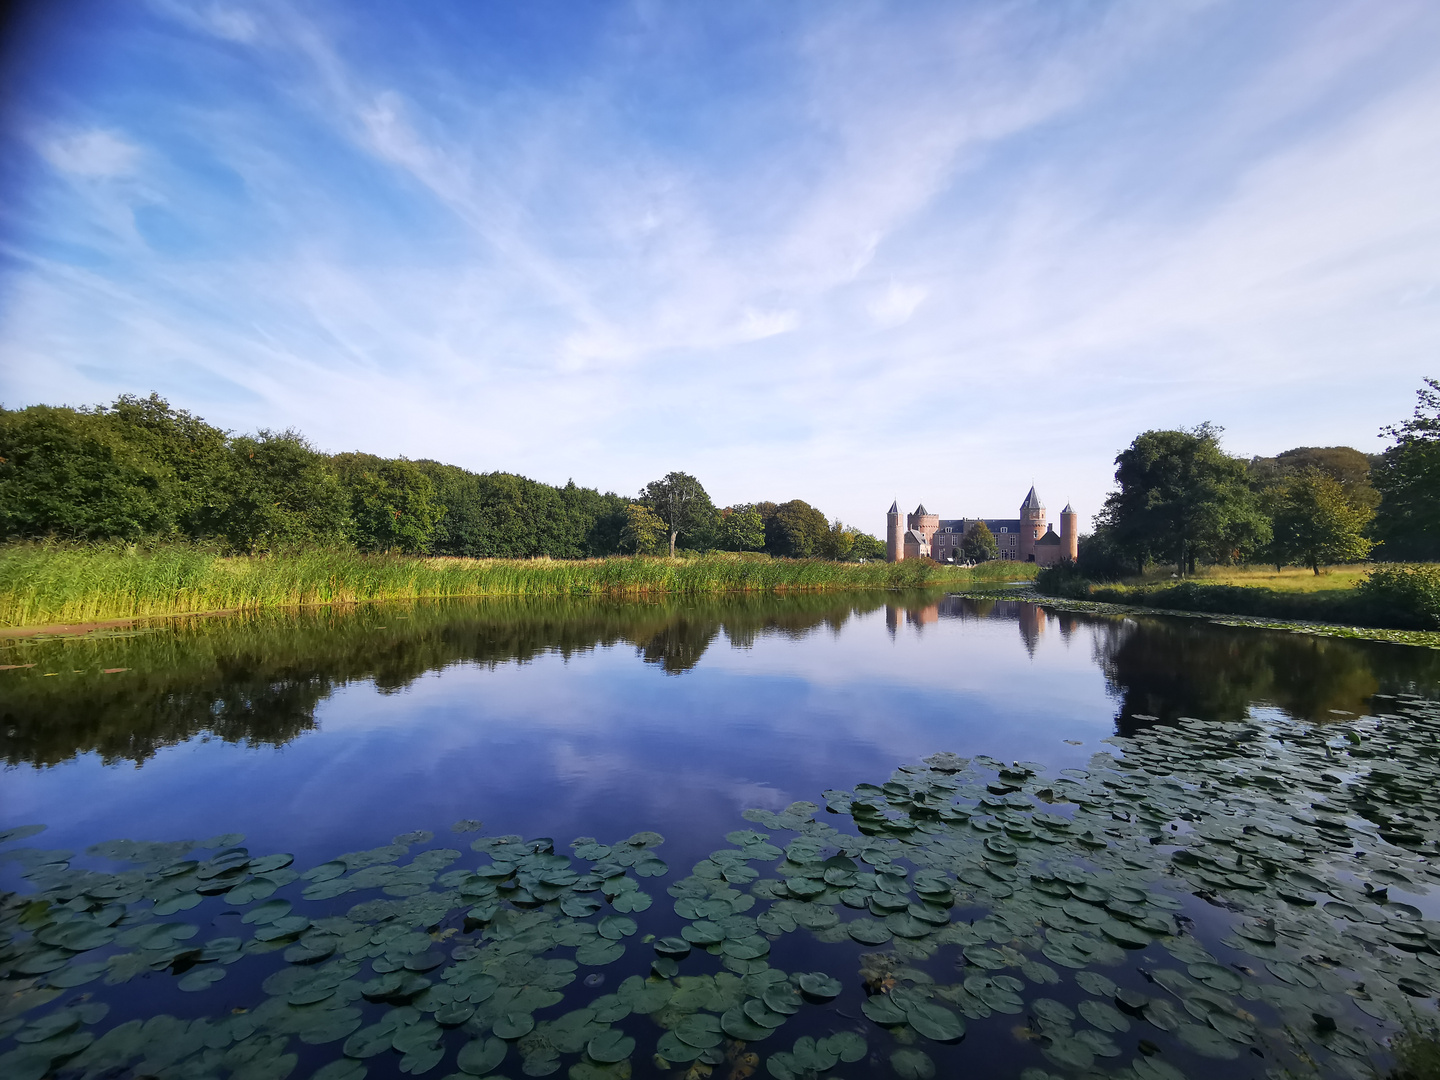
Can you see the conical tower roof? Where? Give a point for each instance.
(1032, 501)
(920, 510)
(894, 507)
(1067, 509)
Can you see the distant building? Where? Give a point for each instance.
(1027, 538)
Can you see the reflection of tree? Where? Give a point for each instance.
(679, 646)
(1168, 668)
(259, 678)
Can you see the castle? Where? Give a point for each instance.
(1020, 539)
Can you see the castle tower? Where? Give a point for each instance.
(924, 524)
(894, 534)
(1069, 534)
(1032, 525)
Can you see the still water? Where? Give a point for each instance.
(332, 731)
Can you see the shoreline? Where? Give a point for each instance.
(1425, 639)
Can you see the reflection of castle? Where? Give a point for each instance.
(1020, 539)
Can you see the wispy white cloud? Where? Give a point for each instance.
(93, 154)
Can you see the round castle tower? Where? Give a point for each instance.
(894, 534)
(1069, 534)
(1032, 525)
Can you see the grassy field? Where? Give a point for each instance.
(46, 585)
(1409, 601)
(1290, 579)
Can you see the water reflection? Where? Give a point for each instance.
(258, 680)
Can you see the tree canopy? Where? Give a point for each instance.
(680, 501)
(1316, 524)
(1408, 479)
(1179, 497)
(978, 544)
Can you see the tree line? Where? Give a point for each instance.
(1179, 499)
(139, 470)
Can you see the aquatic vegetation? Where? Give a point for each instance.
(1242, 893)
(44, 584)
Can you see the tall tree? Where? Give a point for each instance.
(1180, 497)
(680, 502)
(796, 530)
(392, 503)
(978, 544)
(1316, 524)
(643, 531)
(740, 528)
(285, 495)
(1408, 479)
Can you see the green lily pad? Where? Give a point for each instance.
(513, 1025)
(935, 1022)
(480, 1057)
(818, 985)
(610, 1046)
(912, 1064)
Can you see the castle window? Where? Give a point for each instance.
(1003, 529)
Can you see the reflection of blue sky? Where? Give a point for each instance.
(603, 744)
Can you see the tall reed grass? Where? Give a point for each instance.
(44, 584)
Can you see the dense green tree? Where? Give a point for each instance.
(867, 548)
(1316, 524)
(797, 530)
(679, 500)
(284, 494)
(1343, 463)
(71, 474)
(740, 528)
(191, 457)
(1408, 479)
(643, 533)
(978, 544)
(392, 503)
(1180, 498)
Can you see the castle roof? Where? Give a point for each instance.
(894, 507)
(920, 510)
(1067, 509)
(1049, 539)
(913, 536)
(1032, 501)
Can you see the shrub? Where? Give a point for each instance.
(1408, 592)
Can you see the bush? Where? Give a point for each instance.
(1065, 579)
(1411, 593)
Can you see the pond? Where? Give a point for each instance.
(836, 835)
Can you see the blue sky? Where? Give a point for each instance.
(842, 252)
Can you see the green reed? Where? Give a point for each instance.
(43, 584)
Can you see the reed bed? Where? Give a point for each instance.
(49, 584)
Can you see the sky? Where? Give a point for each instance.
(843, 252)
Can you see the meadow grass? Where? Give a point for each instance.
(42, 584)
(1299, 579)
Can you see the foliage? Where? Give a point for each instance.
(1316, 524)
(845, 543)
(1417, 1050)
(71, 473)
(978, 544)
(392, 503)
(739, 528)
(1411, 592)
(643, 532)
(797, 530)
(1344, 464)
(1408, 479)
(284, 494)
(1179, 498)
(679, 500)
(51, 583)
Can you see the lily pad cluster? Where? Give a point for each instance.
(1238, 896)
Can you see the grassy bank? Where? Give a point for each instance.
(42, 584)
(1398, 597)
